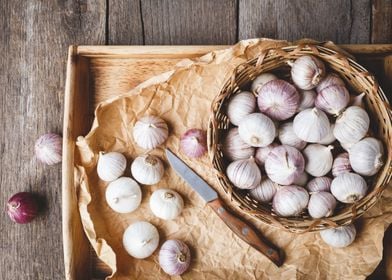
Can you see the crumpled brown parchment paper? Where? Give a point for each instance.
(182, 98)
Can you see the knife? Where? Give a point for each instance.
(240, 227)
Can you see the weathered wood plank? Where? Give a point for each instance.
(382, 21)
(342, 21)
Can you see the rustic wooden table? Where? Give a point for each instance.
(34, 38)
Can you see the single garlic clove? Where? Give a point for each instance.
(111, 165)
(261, 80)
(278, 99)
(290, 201)
(48, 148)
(174, 257)
(244, 173)
(150, 132)
(193, 143)
(330, 138)
(321, 204)
(123, 195)
(341, 164)
(318, 159)
(331, 79)
(366, 156)
(147, 169)
(311, 125)
(257, 130)
(166, 204)
(234, 148)
(265, 191)
(333, 99)
(307, 72)
(263, 152)
(240, 105)
(319, 184)
(141, 239)
(339, 237)
(302, 180)
(349, 187)
(284, 165)
(288, 137)
(307, 99)
(352, 125)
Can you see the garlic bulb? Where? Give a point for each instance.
(357, 100)
(352, 125)
(349, 187)
(111, 165)
(263, 152)
(290, 201)
(166, 204)
(147, 169)
(123, 195)
(141, 239)
(307, 99)
(307, 72)
(302, 180)
(311, 125)
(341, 164)
(366, 156)
(193, 143)
(347, 146)
(235, 148)
(241, 105)
(48, 148)
(174, 257)
(284, 165)
(257, 130)
(318, 159)
(278, 99)
(332, 99)
(150, 132)
(331, 79)
(244, 173)
(321, 204)
(330, 138)
(261, 80)
(265, 191)
(288, 137)
(319, 184)
(339, 237)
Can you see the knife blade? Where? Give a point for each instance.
(239, 226)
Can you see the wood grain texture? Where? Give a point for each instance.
(342, 21)
(382, 21)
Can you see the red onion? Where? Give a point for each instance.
(174, 257)
(48, 148)
(194, 143)
(22, 207)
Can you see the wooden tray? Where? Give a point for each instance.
(96, 73)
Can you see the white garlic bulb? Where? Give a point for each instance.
(311, 125)
(330, 138)
(366, 156)
(302, 180)
(347, 146)
(240, 105)
(352, 125)
(318, 159)
(290, 201)
(123, 195)
(339, 237)
(263, 152)
(265, 191)
(288, 137)
(141, 239)
(235, 148)
(284, 165)
(341, 164)
(331, 79)
(150, 132)
(147, 169)
(307, 99)
(333, 99)
(319, 184)
(321, 204)
(244, 173)
(166, 204)
(349, 187)
(261, 80)
(257, 130)
(278, 99)
(307, 72)
(357, 100)
(111, 165)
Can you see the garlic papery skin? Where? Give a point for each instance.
(352, 125)
(330, 138)
(141, 239)
(333, 99)
(234, 148)
(48, 148)
(193, 143)
(366, 156)
(284, 165)
(319, 184)
(307, 72)
(174, 257)
(288, 137)
(147, 169)
(263, 152)
(262, 79)
(111, 165)
(302, 180)
(241, 105)
(321, 204)
(257, 130)
(123, 195)
(278, 99)
(349, 187)
(290, 201)
(150, 132)
(341, 164)
(331, 79)
(166, 204)
(318, 159)
(265, 191)
(357, 100)
(339, 237)
(244, 173)
(311, 125)
(307, 99)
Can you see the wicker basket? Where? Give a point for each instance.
(358, 80)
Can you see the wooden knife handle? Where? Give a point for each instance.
(246, 232)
